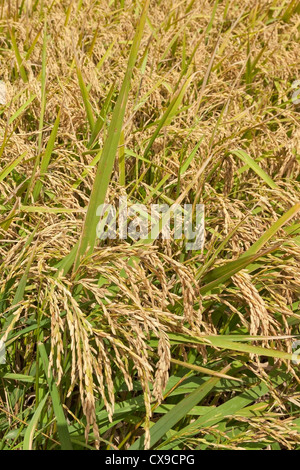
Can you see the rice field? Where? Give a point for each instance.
(130, 342)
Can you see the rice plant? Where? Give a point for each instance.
(127, 343)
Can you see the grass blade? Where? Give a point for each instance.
(29, 434)
(273, 230)
(85, 97)
(18, 57)
(255, 167)
(108, 154)
(46, 158)
(9, 168)
(62, 426)
(220, 275)
(164, 424)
